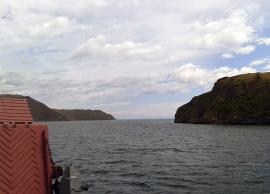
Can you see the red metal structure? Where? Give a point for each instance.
(25, 166)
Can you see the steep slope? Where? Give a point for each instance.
(78, 114)
(41, 112)
(242, 99)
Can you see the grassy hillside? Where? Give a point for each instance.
(41, 112)
(242, 99)
(78, 114)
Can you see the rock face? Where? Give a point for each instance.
(243, 99)
(41, 112)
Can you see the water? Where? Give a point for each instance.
(158, 156)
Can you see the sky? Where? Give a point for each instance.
(131, 58)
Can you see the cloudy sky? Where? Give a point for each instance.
(131, 58)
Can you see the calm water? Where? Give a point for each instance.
(156, 156)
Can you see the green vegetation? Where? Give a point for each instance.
(243, 99)
(41, 112)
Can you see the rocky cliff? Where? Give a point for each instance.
(41, 112)
(242, 99)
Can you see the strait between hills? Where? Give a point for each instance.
(41, 112)
(242, 99)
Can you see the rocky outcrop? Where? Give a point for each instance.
(242, 99)
(41, 112)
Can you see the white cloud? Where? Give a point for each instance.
(263, 63)
(138, 54)
(53, 27)
(267, 67)
(199, 76)
(228, 34)
(227, 71)
(227, 55)
(190, 73)
(245, 50)
(232, 34)
(181, 80)
(70, 7)
(98, 47)
(263, 41)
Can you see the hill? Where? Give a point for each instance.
(79, 114)
(41, 112)
(242, 99)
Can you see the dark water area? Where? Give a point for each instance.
(158, 156)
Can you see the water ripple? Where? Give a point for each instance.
(161, 157)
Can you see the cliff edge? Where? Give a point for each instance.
(242, 99)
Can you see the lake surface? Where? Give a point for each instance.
(158, 156)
